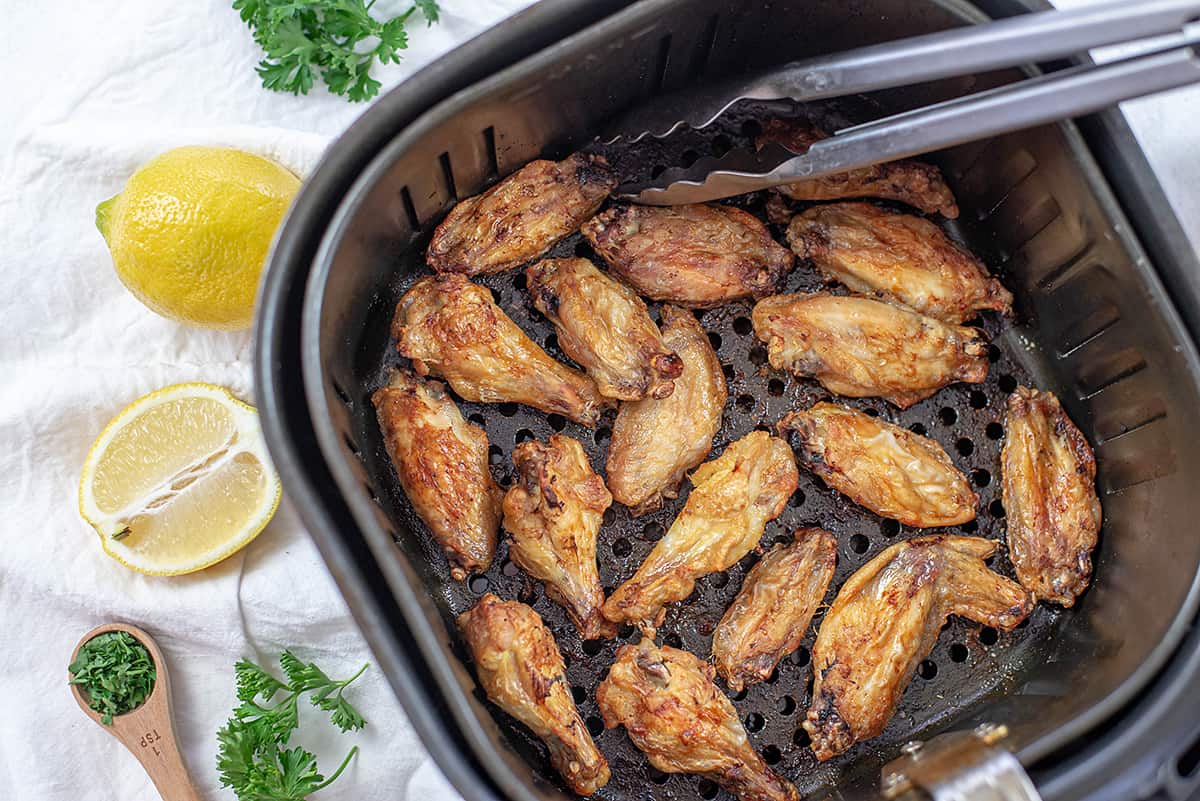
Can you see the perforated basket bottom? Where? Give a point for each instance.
(969, 662)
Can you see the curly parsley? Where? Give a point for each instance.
(337, 40)
(115, 673)
(252, 756)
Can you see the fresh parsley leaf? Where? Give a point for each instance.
(251, 757)
(337, 40)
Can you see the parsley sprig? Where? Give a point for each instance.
(252, 756)
(337, 40)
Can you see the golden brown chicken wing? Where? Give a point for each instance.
(605, 327)
(770, 615)
(521, 670)
(696, 255)
(860, 348)
(733, 498)
(442, 463)
(1049, 491)
(897, 257)
(667, 702)
(919, 185)
(451, 328)
(656, 441)
(888, 469)
(521, 217)
(886, 619)
(553, 512)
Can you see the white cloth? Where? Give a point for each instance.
(91, 91)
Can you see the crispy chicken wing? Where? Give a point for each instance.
(770, 615)
(521, 217)
(694, 255)
(553, 512)
(919, 185)
(897, 257)
(442, 463)
(451, 328)
(667, 702)
(886, 619)
(733, 498)
(604, 326)
(521, 670)
(1049, 490)
(656, 441)
(888, 469)
(861, 348)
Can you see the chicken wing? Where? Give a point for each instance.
(912, 182)
(521, 217)
(442, 463)
(1049, 491)
(656, 441)
(553, 512)
(861, 348)
(733, 498)
(674, 713)
(770, 615)
(888, 469)
(886, 619)
(696, 255)
(521, 670)
(896, 257)
(605, 327)
(451, 328)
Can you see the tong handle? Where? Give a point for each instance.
(977, 48)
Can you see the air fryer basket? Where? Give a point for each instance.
(1094, 326)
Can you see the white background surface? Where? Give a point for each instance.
(91, 90)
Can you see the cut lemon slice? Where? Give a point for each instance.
(179, 480)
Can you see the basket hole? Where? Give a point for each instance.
(797, 499)
(977, 399)
(714, 339)
(657, 776)
(495, 455)
(557, 422)
(775, 387)
(959, 652)
(988, 635)
(657, 170)
(742, 326)
(970, 527)
(602, 435)
(341, 392)
(653, 532)
(1007, 383)
(595, 726)
(965, 447)
(609, 516)
(859, 544)
(948, 416)
(578, 694)
(351, 444)
(771, 755)
(718, 580)
(529, 594)
(519, 281)
(981, 477)
(927, 669)
(787, 705)
(593, 647)
(994, 431)
(721, 145)
(918, 429)
(523, 435)
(687, 158)
(729, 373)
(628, 631)
(509, 568)
(582, 248)
(478, 584)
(871, 412)
(707, 789)
(993, 353)
(800, 656)
(507, 409)
(890, 528)
(551, 342)
(801, 738)
(477, 418)
(996, 508)
(673, 640)
(758, 355)
(622, 548)
(751, 129)
(740, 695)
(745, 403)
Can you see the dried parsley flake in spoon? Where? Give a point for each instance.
(115, 673)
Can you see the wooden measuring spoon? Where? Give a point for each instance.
(148, 731)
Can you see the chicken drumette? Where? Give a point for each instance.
(674, 713)
(451, 328)
(733, 498)
(886, 619)
(605, 327)
(656, 441)
(695, 255)
(770, 615)
(897, 257)
(521, 670)
(888, 469)
(442, 463)
(553, 512)
(860, 347)
(521, 217)
(1050, 503)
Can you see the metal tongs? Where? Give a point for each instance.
(1058, 95)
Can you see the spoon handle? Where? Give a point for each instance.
(150, 737)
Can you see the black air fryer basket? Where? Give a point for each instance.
(1096, 699)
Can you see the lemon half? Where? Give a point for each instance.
(179, 480)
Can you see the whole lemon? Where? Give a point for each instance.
(189, 233)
